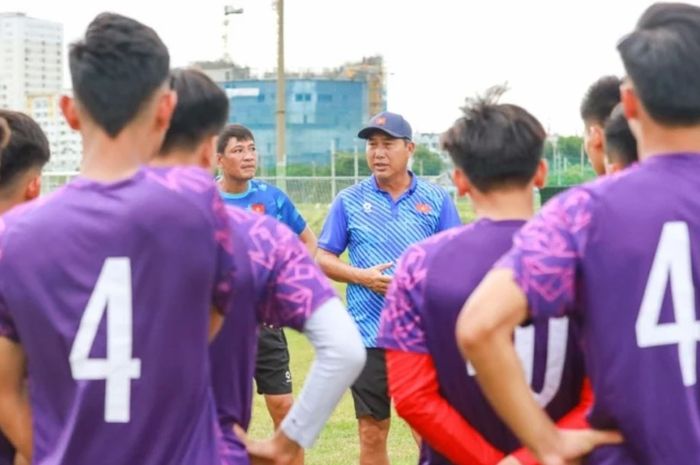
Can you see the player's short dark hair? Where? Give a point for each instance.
(238, 131)
(496, 145)
(600, 99)
(620, 143)
(26, 148)
(662, 59)
(201, 111)
(116, 68)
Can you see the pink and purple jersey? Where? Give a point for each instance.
(621, 257)
(434, 279)
(7, 452)
(108, 288)
(276, 282)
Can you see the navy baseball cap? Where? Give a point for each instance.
(391, 123)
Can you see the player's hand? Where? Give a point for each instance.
(574, 445)
(375, 280)
(509, 460)
(278, 450)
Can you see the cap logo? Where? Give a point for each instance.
(381, 121)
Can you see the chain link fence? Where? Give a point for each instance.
(301, 189)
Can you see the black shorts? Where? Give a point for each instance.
(370, 391)
(272, 375)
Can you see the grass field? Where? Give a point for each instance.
(338, 444)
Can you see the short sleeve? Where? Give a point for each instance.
(289, 214)
(334, 235)
(547, 252)
(295, 286)
(401, 326)
(449, 217)
(7, 326)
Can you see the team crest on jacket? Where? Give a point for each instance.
(423, 208)
(258, 208)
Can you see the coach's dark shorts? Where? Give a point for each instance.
(272, 375)
(370, 391)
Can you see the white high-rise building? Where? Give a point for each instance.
(31, 59)
(65, 143)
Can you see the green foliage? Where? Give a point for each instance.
(427, 162)
(569, 147)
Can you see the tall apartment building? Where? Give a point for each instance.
(31, 59)
(65, 143)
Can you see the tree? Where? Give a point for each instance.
(427, 162)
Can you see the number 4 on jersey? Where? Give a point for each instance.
(672, 261)
(112, 294)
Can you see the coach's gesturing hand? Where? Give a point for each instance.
(278, 450)
(372, 278)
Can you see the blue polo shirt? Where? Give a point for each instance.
(267, 199)
(376, 229)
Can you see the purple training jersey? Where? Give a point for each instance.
(276, 282)
(434, 279)
(622, 257)
(7, 452)
(108, 288)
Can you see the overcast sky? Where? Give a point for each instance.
(437, 52)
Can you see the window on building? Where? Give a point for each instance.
(325, 98)
(298, 97)
(307, 97)
(261, 97)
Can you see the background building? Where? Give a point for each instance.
(324, 110)
(31, 58)
(65, 143)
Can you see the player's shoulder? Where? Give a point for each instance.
(357, 190)
(253, 224)
(428, 248)
(180, 180)
(265, 188)
(430, 188)
(584, 199)
(177, 189)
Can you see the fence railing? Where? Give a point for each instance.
(301, 189)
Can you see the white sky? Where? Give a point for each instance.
(437, 52)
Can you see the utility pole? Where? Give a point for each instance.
(228, 11)
(281, 100)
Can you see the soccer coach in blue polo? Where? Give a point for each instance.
(376, 220)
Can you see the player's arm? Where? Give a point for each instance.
(340, 354)
(333, 241)
(537, 276)
(575, 419)
(216, 321)
(308, 237)
(15, 411)
(414, 388)
(338, 270)
(291, 216)
(340, 357)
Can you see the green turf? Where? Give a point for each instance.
(338, 444)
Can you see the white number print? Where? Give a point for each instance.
(557, 339)
(112, 294)
(672, 261)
